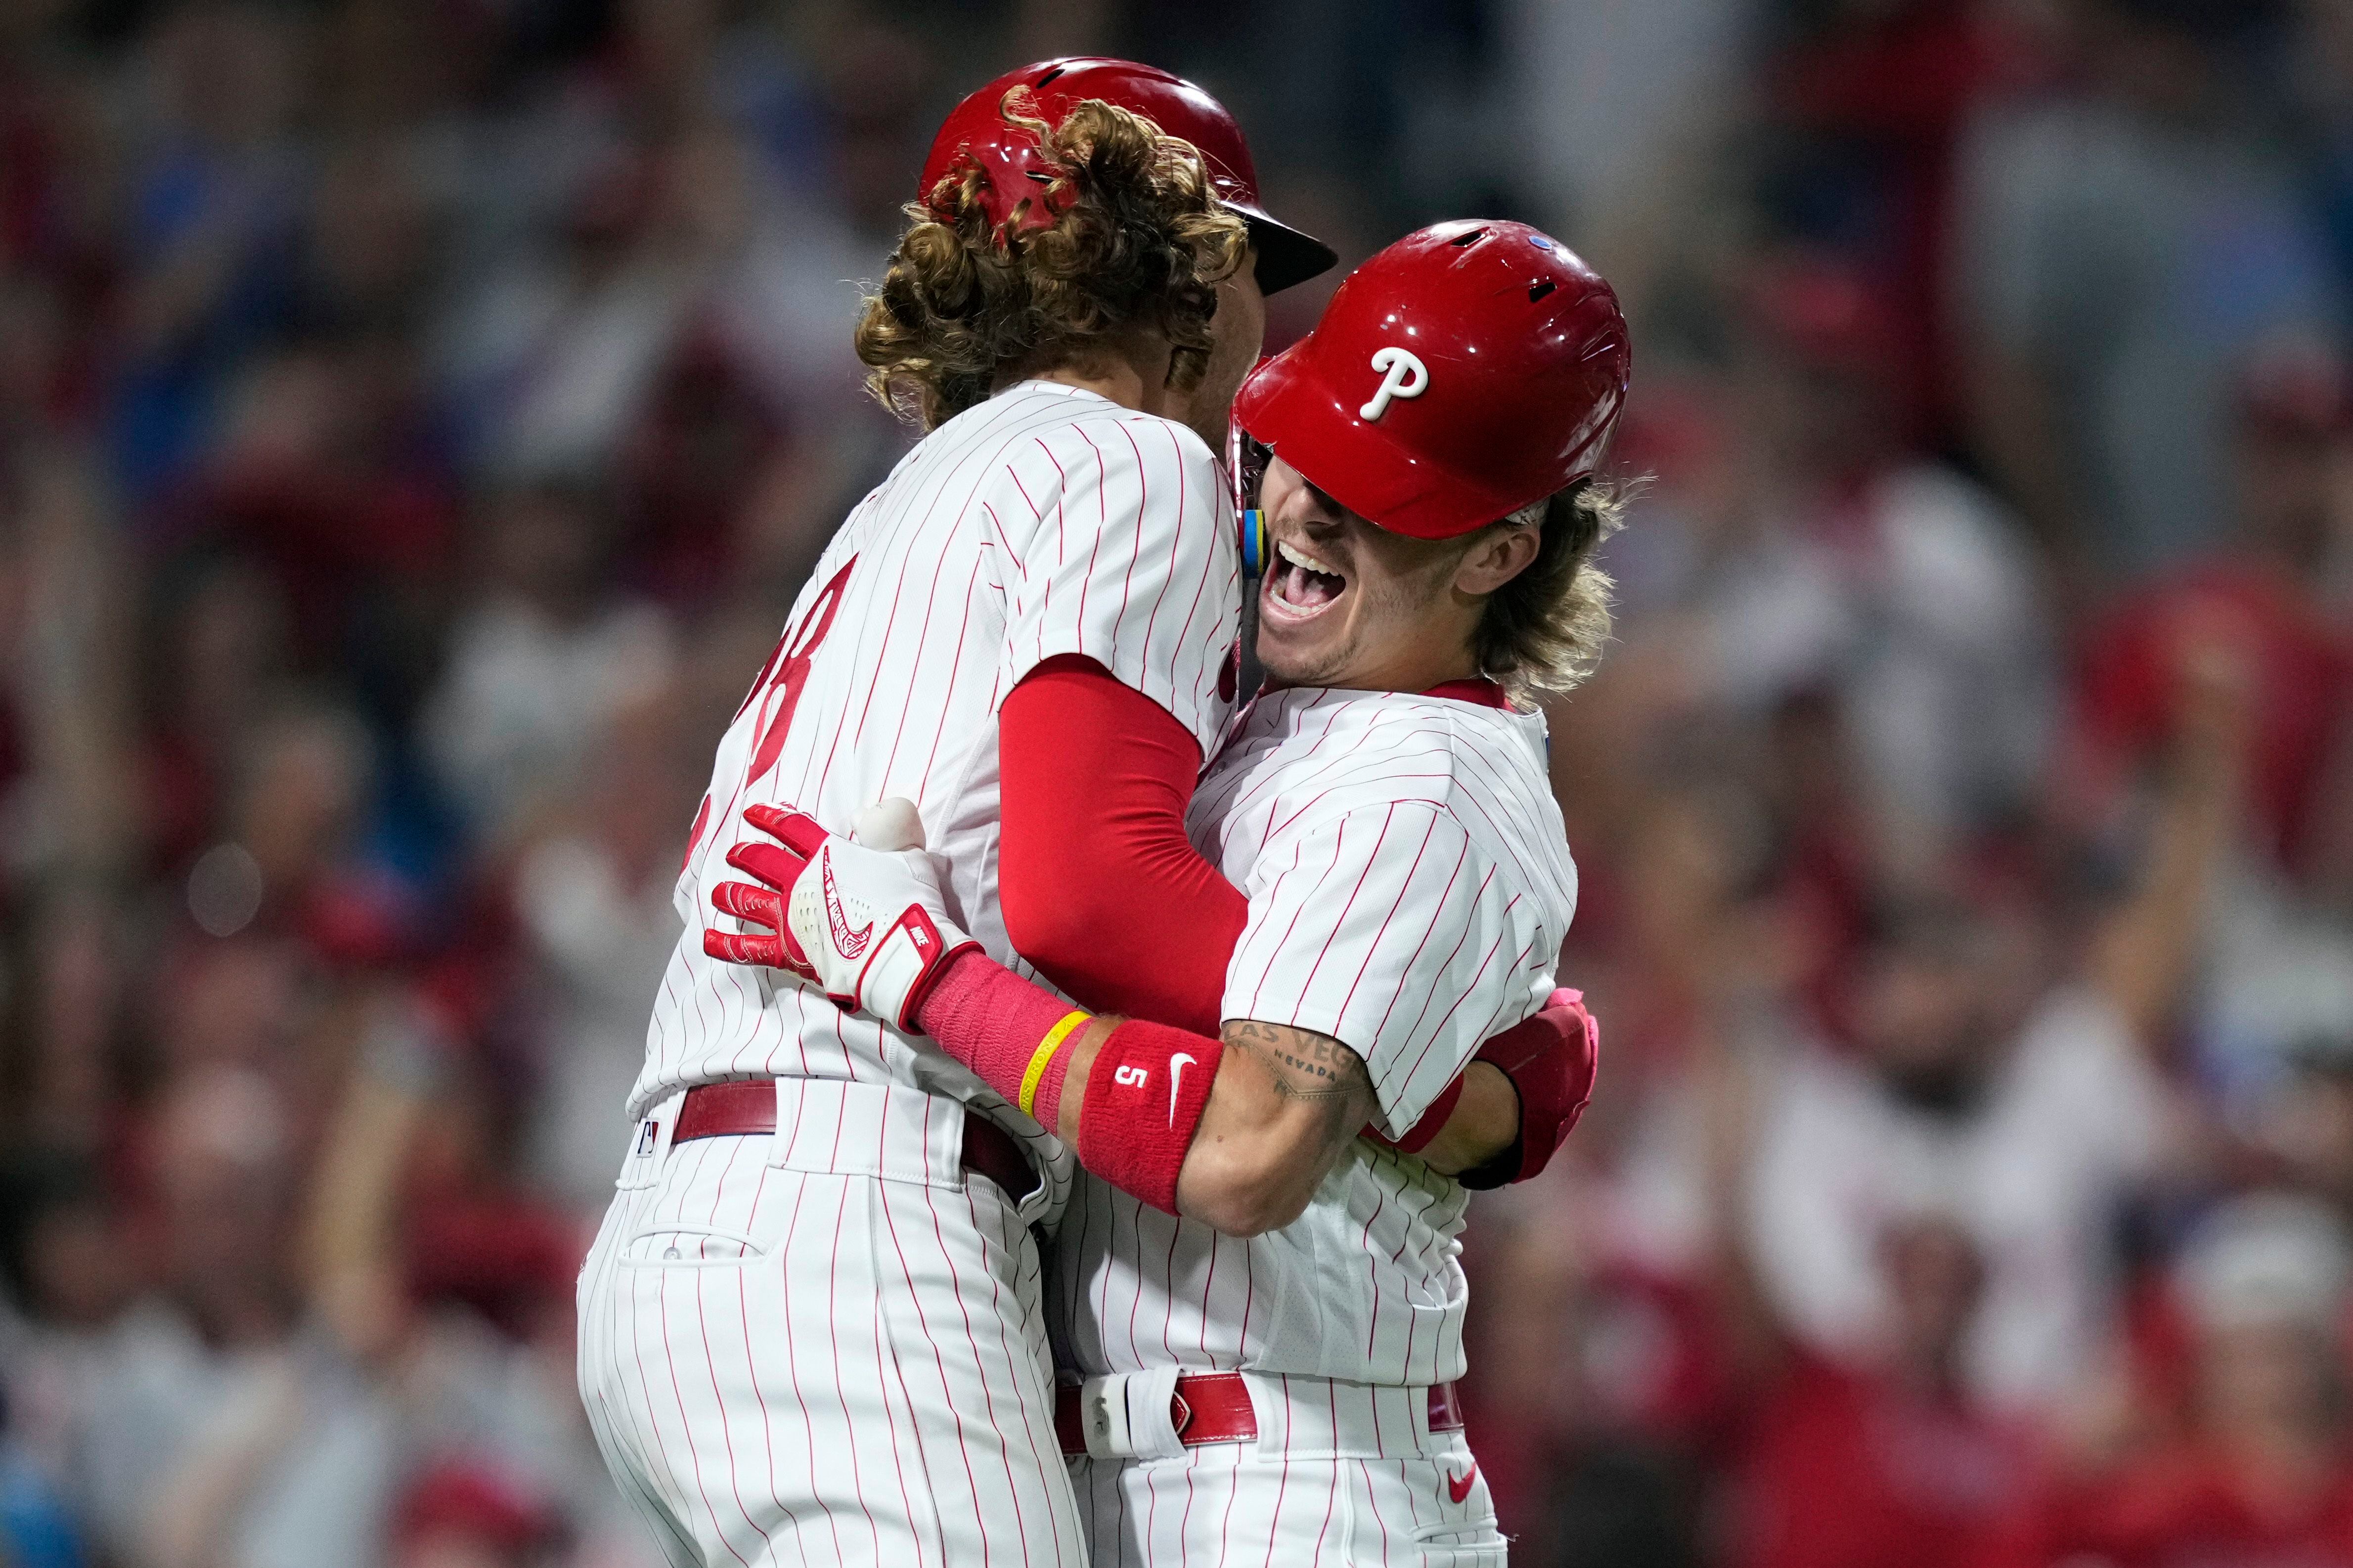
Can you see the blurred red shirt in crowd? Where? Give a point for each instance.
(2261, 1475)
(2192, 1508)
(2266, 599)
(2300, 675)
(1849, 1467)
(1883, 1460)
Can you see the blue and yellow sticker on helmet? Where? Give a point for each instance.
(1256, 547)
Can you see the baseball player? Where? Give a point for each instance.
(1273, 1372)
(811, 1326)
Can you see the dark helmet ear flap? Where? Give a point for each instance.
(1246, 461)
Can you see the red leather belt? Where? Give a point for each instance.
(746, 1106)
(1214, 1407)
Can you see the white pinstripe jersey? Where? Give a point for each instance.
(1047, 520)
(1410, 888)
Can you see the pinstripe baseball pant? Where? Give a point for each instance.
(1325, 1484)
(789, 1366)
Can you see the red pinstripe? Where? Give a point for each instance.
(1373, 1278)
(1152, 1508)
(946, 1394)
(923, 1320)
(1103, 524)
(645, 1394)
(923, 640)
(850, 1430)
(1226, 1525)
(759, 1389)
(1282, 1478)
(1168, 1291)
(1372, 1499)
(1273, 899)
(1428, 829)
(1061, 521)
(1479, 769)
(1143, 505)
(1412, 1506)
(1030, 1425)
(1072, 1245)
(693, 1456)
(726, 1429)
(898, 596)
(637, 1433)
(1249, 1294)
(881, 1194)
(947, 698)
(1135, 1228)
(1341, 919)
(1200, 588)
(1448, 964)
(1185, 1520)
(1439, 1027)
(793, 1374)
(1331, 1498)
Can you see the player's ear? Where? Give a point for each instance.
(1497, 554)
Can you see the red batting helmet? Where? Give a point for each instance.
(1460, 374)
(1008, 154)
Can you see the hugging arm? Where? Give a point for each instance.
(1105, 895)
(1235, 1130)
(1286, 1103)
(1156, 1110)
(1096, 778)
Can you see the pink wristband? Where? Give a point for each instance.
(994, 1022)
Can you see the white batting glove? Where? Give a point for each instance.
(866, 920)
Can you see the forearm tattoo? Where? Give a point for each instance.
(1307, 1067)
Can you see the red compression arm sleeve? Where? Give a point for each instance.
(1102, 891)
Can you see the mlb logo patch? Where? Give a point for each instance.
(645, 1135)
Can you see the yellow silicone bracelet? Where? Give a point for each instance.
(1046, 1050)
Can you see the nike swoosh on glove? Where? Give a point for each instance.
(866, 921)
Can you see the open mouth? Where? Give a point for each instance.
(1299, 587)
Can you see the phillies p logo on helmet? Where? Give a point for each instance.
(1532, 345)
(1402, 375)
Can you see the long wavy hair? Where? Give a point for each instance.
(1141, 247)
(1544, 629)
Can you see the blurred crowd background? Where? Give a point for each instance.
(416, 417)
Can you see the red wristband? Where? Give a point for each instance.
(1145, 1100)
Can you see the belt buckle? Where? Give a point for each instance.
(1134, 1415)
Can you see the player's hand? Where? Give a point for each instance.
(1551, 1060)
(865, 919)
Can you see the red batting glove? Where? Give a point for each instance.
(871, 924)
(763, 906)
(1551, 1060)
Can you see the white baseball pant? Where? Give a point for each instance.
(1341, 1476)
(786, 1365)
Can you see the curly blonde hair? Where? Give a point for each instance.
(1544, 629)
(1142, 245)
